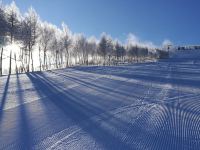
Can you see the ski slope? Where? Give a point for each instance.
(142, 106)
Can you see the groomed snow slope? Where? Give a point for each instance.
(142, 106)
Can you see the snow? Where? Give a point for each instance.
(142, 106)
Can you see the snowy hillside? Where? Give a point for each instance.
(143, 106)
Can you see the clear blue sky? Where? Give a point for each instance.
(151, 20)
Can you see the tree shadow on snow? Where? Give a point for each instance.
(24, 137)
(78, 111)
(150, 75)
(3, 99)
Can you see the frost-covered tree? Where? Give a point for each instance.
(92, 50)
(67, 42)
(3, 24)
(85, 50)
(143, 52)
(3, 32)
(55, 49)
(13, 17)
(105, 47)
(119, 51)
(79, 47)
(102, 50)
(29, 34)
(56, 46)
(110, 50)
(45, 39)
(132, 52)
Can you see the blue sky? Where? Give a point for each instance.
(150, 20)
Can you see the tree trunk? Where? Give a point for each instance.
(16, 69)
(23, 57)
(104, 60)
(29, 58)
(67, 58)
(44, 63)
(109, 60)
(10, 67)
(87, 60)
(57, 59)
(61, 59)
(75, 60)
(1, 62)
(32, 61)
(40, 59)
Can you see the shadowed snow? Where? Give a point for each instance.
(142, 106)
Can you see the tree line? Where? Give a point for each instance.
(58, 47)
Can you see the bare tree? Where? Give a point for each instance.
(84, 50)
(3, 23)
(79, 48)
(57, 45)
(29, 33)
(102, 50)
(119, 51)
(133, 52)
(92, 50)
(3, 32)
(66, 42)
(13, 17)
(105, 47)
(46, 34)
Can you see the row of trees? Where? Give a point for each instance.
(51, 47)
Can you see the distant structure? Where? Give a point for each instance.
(167, 47)
(188, 47)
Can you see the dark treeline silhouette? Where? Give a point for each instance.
(44, 46)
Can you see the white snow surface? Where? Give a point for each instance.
(142, 106)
